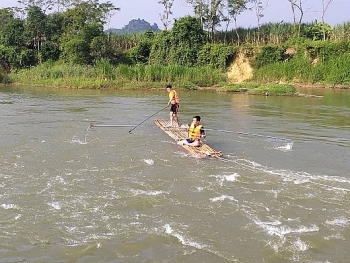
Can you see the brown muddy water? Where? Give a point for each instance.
(73, 194)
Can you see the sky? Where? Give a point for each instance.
(338, 12)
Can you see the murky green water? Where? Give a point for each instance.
(73, 194)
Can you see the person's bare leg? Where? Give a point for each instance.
(177, 116)
(171, 118)
(195, 144)
(176, 120)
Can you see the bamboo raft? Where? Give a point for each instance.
(181, 133)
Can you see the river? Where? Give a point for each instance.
(71, 193)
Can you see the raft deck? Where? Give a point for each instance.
(181, 133)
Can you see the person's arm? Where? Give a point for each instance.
(203, 135)
(171, 95)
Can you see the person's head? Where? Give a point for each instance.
(168, 87)
(196, 119)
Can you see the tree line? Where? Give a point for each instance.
(73, 31)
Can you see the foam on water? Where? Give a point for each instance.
(297, 177)
(9, 206)
(76, 139)
(150, 193)
(55, 205)
(115, 191)
(285, 147)
(222, 178)
(266, 196)
(222, 198)
(148, 161)
(300, 245)
(342, 221)
(182, 239)
(232, 177)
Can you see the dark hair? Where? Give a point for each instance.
(169, 87)
(198, 118)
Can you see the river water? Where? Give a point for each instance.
(69, 193)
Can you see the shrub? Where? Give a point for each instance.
(49, 51)
(268, 55)
(216, 56)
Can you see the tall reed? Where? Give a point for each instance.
(105, 75)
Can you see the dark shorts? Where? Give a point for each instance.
(174, 108)
(189, 140)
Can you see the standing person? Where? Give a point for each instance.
(195, 133)
(174, 106)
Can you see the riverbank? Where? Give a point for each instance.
(240, 77)
(243, 87)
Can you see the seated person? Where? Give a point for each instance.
(195, 132)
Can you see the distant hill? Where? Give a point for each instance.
(135, 26)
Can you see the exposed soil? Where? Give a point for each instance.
(240, 70)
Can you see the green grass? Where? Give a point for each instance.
(274, 89)
(239, 87)
(104, 75)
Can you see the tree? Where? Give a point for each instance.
(83, 13)
(297, 4)
(100, 48)
(6, 15)
(141, 53)
(49, 51)
(199, 7)
(12, 33)
(325, 5)
(180, 45)
(168, 4)
(76, 51)
(234, 9)
(160, 49)
(210, 13)
(42, 4)
(54, 26)
(35, 26)
(187, 39)
(59, 4)
(259, 8)
(214, 16)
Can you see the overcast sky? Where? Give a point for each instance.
(277, 10)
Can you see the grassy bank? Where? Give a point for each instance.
(331, 72)
(310, 63)
(103, 75)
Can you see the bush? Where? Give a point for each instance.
(104, 69)
(216, 56)
(3, 77)
(141, 53)
(50, 51)
(76, 51)
(268, 55)
(241, 87)
(317, 31)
